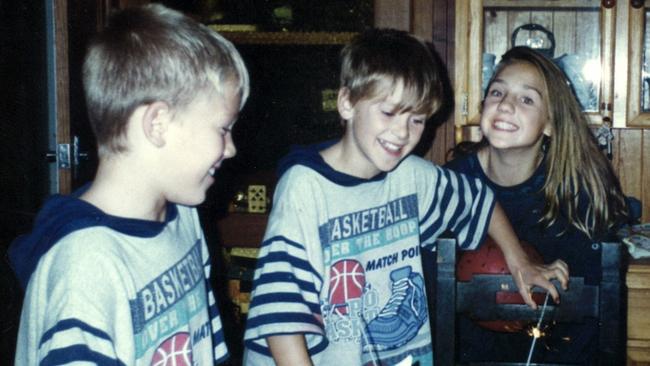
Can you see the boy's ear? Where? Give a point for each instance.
(345, 107)
(155, 121)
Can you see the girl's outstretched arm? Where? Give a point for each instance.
(525, 273)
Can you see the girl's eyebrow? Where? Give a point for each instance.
(530, 87)
(526, 86)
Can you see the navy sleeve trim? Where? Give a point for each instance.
(78, 353)
(73, 323)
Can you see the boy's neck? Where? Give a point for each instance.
(338, 158)
(124, 192)
(508, 167)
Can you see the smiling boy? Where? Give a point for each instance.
(118, 272)
(339, 276)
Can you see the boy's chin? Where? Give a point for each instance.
(193, 200)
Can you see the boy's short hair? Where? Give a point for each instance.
(152, 53)
(380, 57)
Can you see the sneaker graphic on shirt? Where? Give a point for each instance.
(405, 312)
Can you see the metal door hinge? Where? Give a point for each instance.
(67, 155)
(463, 105)
(61, 156)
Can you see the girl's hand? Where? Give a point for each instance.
(527, 274)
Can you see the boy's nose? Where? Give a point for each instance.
(401, 128)
(230, 149)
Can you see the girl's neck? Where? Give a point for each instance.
(509, 167)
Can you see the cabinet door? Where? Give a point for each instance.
(632, 103)
(577, 34)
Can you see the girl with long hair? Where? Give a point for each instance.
(558, 189)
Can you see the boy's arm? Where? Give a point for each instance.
(525, 273)
(289, 350)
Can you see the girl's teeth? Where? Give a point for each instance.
(212, 171)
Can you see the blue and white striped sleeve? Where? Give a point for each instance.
(460, 204)
(73, 340)
(218, 339)
(68, 301)
(219, 346)
(285, 298)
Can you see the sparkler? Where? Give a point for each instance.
(537, 331)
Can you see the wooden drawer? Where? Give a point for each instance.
(242, 229)
(638, 312)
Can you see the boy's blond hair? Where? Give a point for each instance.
(381, 57)
(149, 54)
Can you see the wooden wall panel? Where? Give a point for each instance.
(645, 175)
(629, 171)
(632, 164)
(422, 14)
(433, 20)
(393, 14)
(443, 39)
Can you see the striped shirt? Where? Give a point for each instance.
(340, 261)
(109, 297)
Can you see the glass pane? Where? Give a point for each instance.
(645, 73)
(569, 35)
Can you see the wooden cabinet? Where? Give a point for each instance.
(638, 312)
(632, 93)
(578, 34)
(608, 46)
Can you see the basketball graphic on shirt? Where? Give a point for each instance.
(174, 351)
(347, 280)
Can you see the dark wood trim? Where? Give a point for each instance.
(62, 72)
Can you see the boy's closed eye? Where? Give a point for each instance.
(419, 119)
(225, 130)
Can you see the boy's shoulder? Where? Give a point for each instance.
(416, 162)
(71, 226)
(59, 216)
(415, 166)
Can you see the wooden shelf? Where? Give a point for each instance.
(289, 38)
(242, 229)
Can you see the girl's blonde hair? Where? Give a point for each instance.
(576, 168)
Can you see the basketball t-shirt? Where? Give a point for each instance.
(123, 292)
(340, 262)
